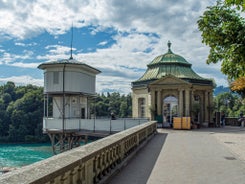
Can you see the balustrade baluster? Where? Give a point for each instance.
(65, 178)
(88, 164)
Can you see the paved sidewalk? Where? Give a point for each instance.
(195, 157)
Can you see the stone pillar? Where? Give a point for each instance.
(135, 113)
(180, 102)
(153, 105)
(159, 102)
(210, 112)
(205, 109)
(206, 102)
(187, 102)
(191, 101)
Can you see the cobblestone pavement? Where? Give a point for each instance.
(200, 156)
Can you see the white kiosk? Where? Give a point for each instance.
(69, 86)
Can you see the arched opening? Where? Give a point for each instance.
(196, 108)
(170, 110)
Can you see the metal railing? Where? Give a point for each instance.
(92, 124)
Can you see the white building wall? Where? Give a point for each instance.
(57, 107)
(74, 82)
(73, 106)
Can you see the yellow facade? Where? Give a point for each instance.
(170, 88)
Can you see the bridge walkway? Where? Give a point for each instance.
(199, 156)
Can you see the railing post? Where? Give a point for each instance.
(79, 123)
(110, 126)
(94, 125)
(124, 124)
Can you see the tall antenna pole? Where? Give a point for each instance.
(71, 40)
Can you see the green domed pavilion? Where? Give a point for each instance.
(170, 88)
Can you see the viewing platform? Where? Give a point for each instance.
(207, 155)
(68, 134)
(88, 164)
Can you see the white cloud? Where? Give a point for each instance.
(118, 84)
(25, 45)
(102, 43)
(17, 60)
(126, 60)
(58, 49)
(23, 80)
(24, 65)
(148, 26)
(56, 52)
(29, 18)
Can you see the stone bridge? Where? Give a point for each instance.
(92, 163)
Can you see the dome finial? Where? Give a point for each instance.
(169, 45)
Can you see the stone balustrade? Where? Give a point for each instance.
(88, 164)
(233, 121)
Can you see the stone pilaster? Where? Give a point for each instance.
(206, 102)
(159, 102)
(153, 105)
(180, 102)
(187, 102)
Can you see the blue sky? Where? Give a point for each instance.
(117, 37)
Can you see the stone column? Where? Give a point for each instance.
(159, 102)
(153, 105)
(210, 112)
(191, 100)
(180, 102)
(206, 106)
(187, 102)
(135, 105)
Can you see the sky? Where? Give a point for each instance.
(117, 37)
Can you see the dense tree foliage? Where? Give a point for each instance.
(120, 105)
(239, 86)
(223, 30)
(239, 3)
(21, 111)
(229, 103)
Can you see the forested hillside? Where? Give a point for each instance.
(21, 110)
(120, 105)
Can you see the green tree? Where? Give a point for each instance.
(230, 103)
(6, 98)
(21, 111)
(104, 105)
(239, 3)
(9, 88)
(123, 109)
(4, 123)
(223, 30)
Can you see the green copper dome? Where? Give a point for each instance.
(169, 57)
(170, 64)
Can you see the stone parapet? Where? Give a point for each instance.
(88, 164)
